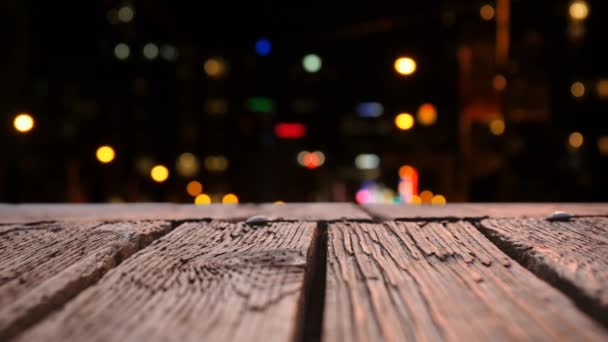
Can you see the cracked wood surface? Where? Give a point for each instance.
(571, 255)
(43, 265)
(168, 211)
(213, 281)
(437, 281)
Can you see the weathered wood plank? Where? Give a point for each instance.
(214, 281)
(167, 211)
(433, 282)
(480, 210)
(571, 255)
(43, 265)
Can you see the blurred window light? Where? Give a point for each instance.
(367, 161)
(105, 154)
(404, 121)
(159, 173)
(217, 163)
(150, 51)
(602, 145)
(497, 127)
(427, 114)
(575, 140)
(312, 63)
(230, 199)
(370, 109)
(438, 200)
(215, 67)
(202, 199)
(602, 88)
(487, 12)
(263, 47)
(578, 10)
(187, 165)
(426, 196)
(23, 123)
(168, 52)
(122, 51)
(216, 106)
(499, 82)
(405, 66)
(577, 89)
(290, 130)
(126, 13)
(194, 188)
(260, 105)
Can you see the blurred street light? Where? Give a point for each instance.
(159, 173)
(23, 123)
(578, 10)
(405, 66)
(105, 154)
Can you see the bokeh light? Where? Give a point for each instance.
(122, 51)
(194, 188)
(405, 66)
(499, 82)
(290, 130)
(230, 199)
(311, 160)
(168, 52)
(577, 89)
(312, 63)
(150, 51)
(367, 161)
(426, 196)
(602, 145)
(187, 165)
(263, 47)
(602, 88)
(260, 105)
(438, 200)
(202, 199)
(404, 121)
(427, 114)
(159, 173)
(279, 203)
(415, 200)
(370, 109)
(105, 154)
(23, 123)
(575, 140)
(363, 196)
(126, 13)
(487, 12)
(216, 106)
(578, 10)
(215, 67)
(218, 163)
(497, 127)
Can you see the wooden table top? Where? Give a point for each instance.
(305, 272)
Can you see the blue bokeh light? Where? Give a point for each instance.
(263, 47)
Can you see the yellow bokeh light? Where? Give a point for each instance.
(279, 203)
(438, 200)
(230, 199)
(215, 67)
(105, 154)
(578, 10)
(486, 12)
(426, 196)
(194, 188)
(577, 89)
(602, 145)
(499, 82)
(405, 65)
(404, 121)
(187, 164)
(216, 163)
(415, 200)
(202, 199)
(159, 173)
(497, 127)
(602, 88)
(23, 123)
(427, 114)
(575, 140)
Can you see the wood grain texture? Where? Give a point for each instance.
(214, 281)
(571, 255)
(43, 265)
(166, 211)
(438, 282)
(481, 210)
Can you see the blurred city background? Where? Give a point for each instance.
(273, 101)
